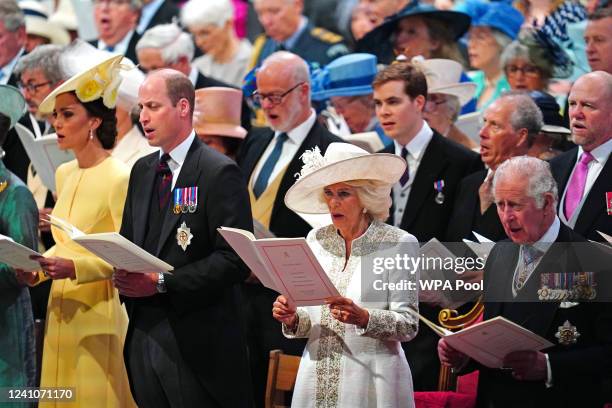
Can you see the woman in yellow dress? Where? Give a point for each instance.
(86, 323)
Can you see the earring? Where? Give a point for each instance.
(91, 134)
(364, 211)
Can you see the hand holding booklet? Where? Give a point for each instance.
(489, 341)
(114, 248)
(285, 265)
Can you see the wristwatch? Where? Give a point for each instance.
(161, 283)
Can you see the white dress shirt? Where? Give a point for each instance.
(7, 70)
(600, 155)
(416, 148)
(178, 156)
(294, 140)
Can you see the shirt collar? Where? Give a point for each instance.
(119, 48)
(146, 14)
(179, 153)
(549, 237)
(7, 70)
(299, 133)
(418, 143)
(290, 42)
(600, 153)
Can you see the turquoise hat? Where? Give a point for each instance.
(349, 75)
(12, 103)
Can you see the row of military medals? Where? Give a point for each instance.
(579, 286)
(185, 200)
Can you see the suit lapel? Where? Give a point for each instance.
(499, 286)
(431, 165)
(142, 200)
(595, 202)
(259, 146)
(187, 178)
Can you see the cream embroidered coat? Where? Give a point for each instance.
(343, 365)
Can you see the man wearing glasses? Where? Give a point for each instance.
(269, 160)
(116, 22)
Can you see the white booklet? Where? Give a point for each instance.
(285, 265)
(482, 248)
(44, 153)
(17, 256)
(489, 341)
(114, 248)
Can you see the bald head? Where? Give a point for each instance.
(590, 110)
(283, 84)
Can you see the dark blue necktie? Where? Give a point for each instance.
(406, 176)
(264, 175)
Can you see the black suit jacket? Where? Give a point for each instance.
(577, 369)
(203, 296)
(466, 216)
(165, 14)
(284, 222)
(130, 52)
(445, 160)
(593, 216)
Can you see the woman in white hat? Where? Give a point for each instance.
(353, 357)
(86, 323)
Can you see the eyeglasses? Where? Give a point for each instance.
(274, 98)
(32, 87)
(111, 2)
(528, 70)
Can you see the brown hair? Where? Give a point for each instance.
(107, 131)
(178, 86)
(414, 80)
(448, 49)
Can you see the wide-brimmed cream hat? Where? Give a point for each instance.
(37, 23)
(444, 76)
(96, 75)
(217, 112)
(65, 16)
(12, 103)
(341, 162)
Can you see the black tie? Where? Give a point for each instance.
(165, 180)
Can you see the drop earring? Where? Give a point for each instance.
(91, 134)
(364, 211)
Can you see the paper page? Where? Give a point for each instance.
(607, 237)
(65, 226)
(122, 253)
(481, 249)
(299, 272)
(243, 245)
(481, 239)
(490, 341)
(17, 256)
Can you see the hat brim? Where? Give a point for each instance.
(464, 91)
(456, 21)
(13, 104)
(221, 129)
(38, 26)
(303, 195)
(48, 104)
(350, 91)
(555, 129)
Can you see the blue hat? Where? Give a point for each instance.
(502, 17)
(553, 122)
(457, 22)
(12, 103)
(349, 75)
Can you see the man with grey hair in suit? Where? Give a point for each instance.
(116, 22)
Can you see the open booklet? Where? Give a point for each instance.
(44, 153)
(285, 265)
(114, 248)
(17, 256)
(482, 248)
(489, 341)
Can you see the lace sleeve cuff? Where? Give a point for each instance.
(389, 325)
(303, 326)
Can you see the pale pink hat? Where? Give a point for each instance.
(217, 112)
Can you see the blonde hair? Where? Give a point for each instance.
(374, 195)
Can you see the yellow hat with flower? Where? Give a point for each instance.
(92, 73)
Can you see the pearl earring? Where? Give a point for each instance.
(364, 211)
(91, 134)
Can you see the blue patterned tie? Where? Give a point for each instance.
(264, 175)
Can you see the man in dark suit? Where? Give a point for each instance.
(287, 29)
(270, 158)
(583, 174)
(166, 46)
(571, 372)
(13, 34)
(185, 345)
(510, 125)
(116, 24)
(156, 12)
(423, 198)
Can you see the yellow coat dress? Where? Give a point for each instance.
(86, 323)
